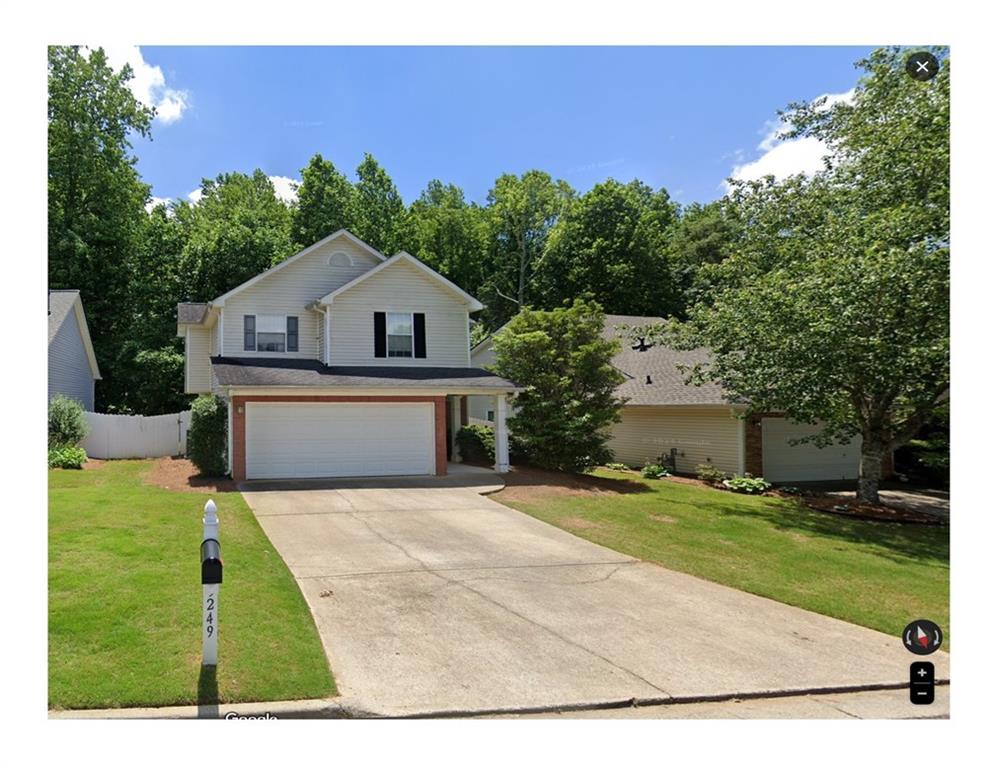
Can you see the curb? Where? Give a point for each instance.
(346, 709)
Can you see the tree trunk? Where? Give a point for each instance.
(871, 459)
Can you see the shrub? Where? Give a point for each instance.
(476, 444)
(207, 438)
(567, 401)
(746, 484)
(66, 457)
(655, 471)
(617, 466)
(67, 424)
(709, 474)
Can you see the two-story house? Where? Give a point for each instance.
(340, 362)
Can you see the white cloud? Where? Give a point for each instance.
(154, 201)
(149, 83)
(286, 188)
(781, 158)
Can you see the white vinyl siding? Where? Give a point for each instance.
(285, 440)
(479, 407)
(701, 435)
(784, 462)
(69, 371)
(400, 287)
(199, 343)
(288, 291)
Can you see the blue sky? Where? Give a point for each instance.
(681, 118)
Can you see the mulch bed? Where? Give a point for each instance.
(834, 505)
(529, 484)
(175, 474)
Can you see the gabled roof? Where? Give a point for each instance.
(654, 375)
(60, 304)
(220, 301)
(405, 257)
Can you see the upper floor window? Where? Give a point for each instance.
(400, 334)
(270, 333)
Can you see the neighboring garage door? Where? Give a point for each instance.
(784, 462)
(339, 439)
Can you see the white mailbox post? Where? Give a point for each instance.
(210, 579)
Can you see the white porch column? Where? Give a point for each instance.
(502, 462)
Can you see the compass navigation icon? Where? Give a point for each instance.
(922, 637)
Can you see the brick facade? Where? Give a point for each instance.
(753, 438)
(238, 418)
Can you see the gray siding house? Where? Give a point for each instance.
(72, 365)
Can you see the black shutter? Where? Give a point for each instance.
(419, 334)
(292, 345)
(249, 333)
(380, 334)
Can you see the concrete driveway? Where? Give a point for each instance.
(431, 598)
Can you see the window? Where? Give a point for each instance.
(270, 333)
(340, 259)
(249, 333)
(400, 334)
(490, 415)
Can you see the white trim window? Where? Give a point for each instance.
(400, 334)
(270, 333)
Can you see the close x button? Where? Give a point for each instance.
(921, 682)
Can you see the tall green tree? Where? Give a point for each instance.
(150, 361)
(611, 244)
(326, 202)
(448, 234)
(96, 198)
(379, 207)
(563, 416)
(835, 306)
(523, 210)
(238, 229)
(702, 237)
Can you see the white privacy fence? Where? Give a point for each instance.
(115, 436)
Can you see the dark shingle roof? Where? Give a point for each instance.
(190, 312)
(290, 372)
(60, 303)
(665, 385)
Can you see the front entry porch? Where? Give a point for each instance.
(458, 416)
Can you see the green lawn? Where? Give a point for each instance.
(124, 599)
(880, 575)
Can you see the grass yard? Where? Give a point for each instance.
(124, 599)
(880, 575)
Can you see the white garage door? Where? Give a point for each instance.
(784, 462)
(285, 440)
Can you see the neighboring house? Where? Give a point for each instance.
(340, 362)
(72, 365)
(666, 420)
